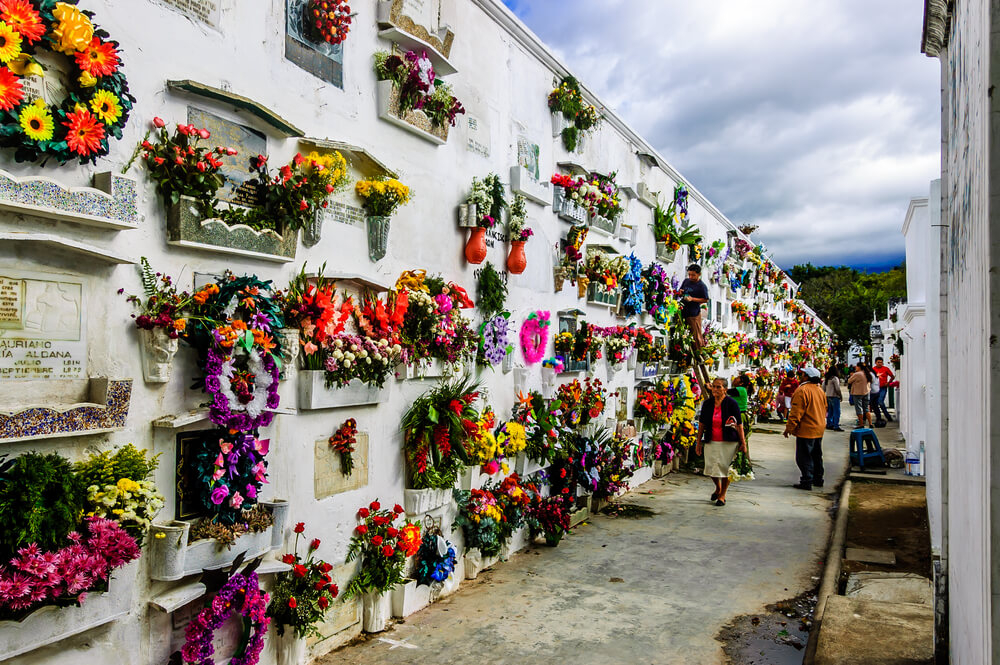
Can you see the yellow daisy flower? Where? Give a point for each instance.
(36, 121)
(106, 106)
(10, 43)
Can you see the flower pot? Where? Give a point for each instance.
(581, 286)
(375, 611)
(516, 260)
(289, 351)
(378, 237)
(414, 121)
(313, 393)
(475, 249)
(632, 360)
(187, 228)
(467, 217)
(524, 183)
(472, 478)
(507, 366)
(408, 598)
(476, 563)
(664, 253)
(158, 352)
(658, 468)
(553, 540)
(421, 502)
(525, 466)
(290, 648)
(559, 278)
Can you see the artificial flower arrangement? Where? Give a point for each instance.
(511, 440)
(382, 544)
(568, 100)
(327, 21)
(633, 297)
(615, 464)
(564, 344)
(343, 442)
(683, 429)
(655, 404)
(549, 516)
(301, 596)
(740, 310)
(604, 270)
(494, 340)
(161, 304)
(480, 517)
(535, 336)
(97, 103)
(419, 88)
(515, 499)
(229, 471)
(647, 349)
(570, 254)
(343, 340)
(542, 424)
(380, 197)
(482, 446)
(431, 321)
(517, 223)
(436, 431)
(436, 558)
(581, 403)
(238, 595)
(671, 226)
(618, 343)
(599, 195)
(894, 360)
(658, 291)
(488, 197)
(65, 528)
(287, 200)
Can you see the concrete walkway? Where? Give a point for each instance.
(640, 591)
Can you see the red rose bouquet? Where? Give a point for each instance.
(382, 547)
(302, 595)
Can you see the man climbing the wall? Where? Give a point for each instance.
(695, 294)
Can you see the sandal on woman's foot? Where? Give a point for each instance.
(720, 502)
(715, 495)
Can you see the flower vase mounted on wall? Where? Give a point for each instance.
(158, 350)
(517, 261)
(475, 250)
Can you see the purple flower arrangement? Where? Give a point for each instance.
(241, 595)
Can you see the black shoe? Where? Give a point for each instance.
(715, 495)
(817, 484)
(720, 502)
(837, 429)
(889, 418)
(802, 486)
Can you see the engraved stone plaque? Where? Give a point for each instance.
(329, 479)
(42, 334)
(246, 141)
(477, 133)
(208, 12)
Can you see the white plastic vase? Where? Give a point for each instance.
(375, 611)
(158, 351)
(290, 648)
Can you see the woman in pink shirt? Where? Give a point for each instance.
(721, 426)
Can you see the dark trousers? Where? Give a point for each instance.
(879, 403)
(809, 458)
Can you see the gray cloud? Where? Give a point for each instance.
(816, 120)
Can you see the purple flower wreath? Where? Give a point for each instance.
(228, 411)
(242, 593)
(494, 340)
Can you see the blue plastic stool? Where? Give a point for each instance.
(865, 446)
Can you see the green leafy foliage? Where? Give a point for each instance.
(846, 298)
(41, 501)
(108, 467)
(434, 433)
(491, 292)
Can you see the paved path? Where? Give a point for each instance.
(635, 591)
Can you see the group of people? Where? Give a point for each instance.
(808, 402)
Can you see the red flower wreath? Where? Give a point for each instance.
(328, 20)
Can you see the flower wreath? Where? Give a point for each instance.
(240, 400)
(493, 340)
(97, 102)
(435, 561)
(535, 336)
(229, 471)
(328, 20)
(242, 594)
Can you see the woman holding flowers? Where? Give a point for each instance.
(721, 427)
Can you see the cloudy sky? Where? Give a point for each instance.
(817, 120)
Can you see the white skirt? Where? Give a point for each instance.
(718, 458)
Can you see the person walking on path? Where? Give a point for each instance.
(695, 294)
(873, 391)
(785, 392)
(885, 377)
(806, 421)
(834, 396)
(742, 391)
(721, 436)
(858, 384)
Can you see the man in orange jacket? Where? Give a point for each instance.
(807, 421)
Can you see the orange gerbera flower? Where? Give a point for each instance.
(21, 15)
(11, 93)
(99, 58)
(85, 132)
(263, 340)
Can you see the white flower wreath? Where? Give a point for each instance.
(255, 366)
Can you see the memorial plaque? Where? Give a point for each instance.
(527, 156)
(246, 141)
(42, 335)
(329, 478)
(477, 134)
(323, 60)
(208, 12)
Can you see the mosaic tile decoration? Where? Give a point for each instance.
(112, 398)
(112, 201)
(186, 228)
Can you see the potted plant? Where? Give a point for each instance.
(380, 198)
(382, 548)
(427, 313)
(549, 516)
(571, 115)
(412, 97)
(300, 598)
(480, 516)
(160, 321)
(519, 233)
